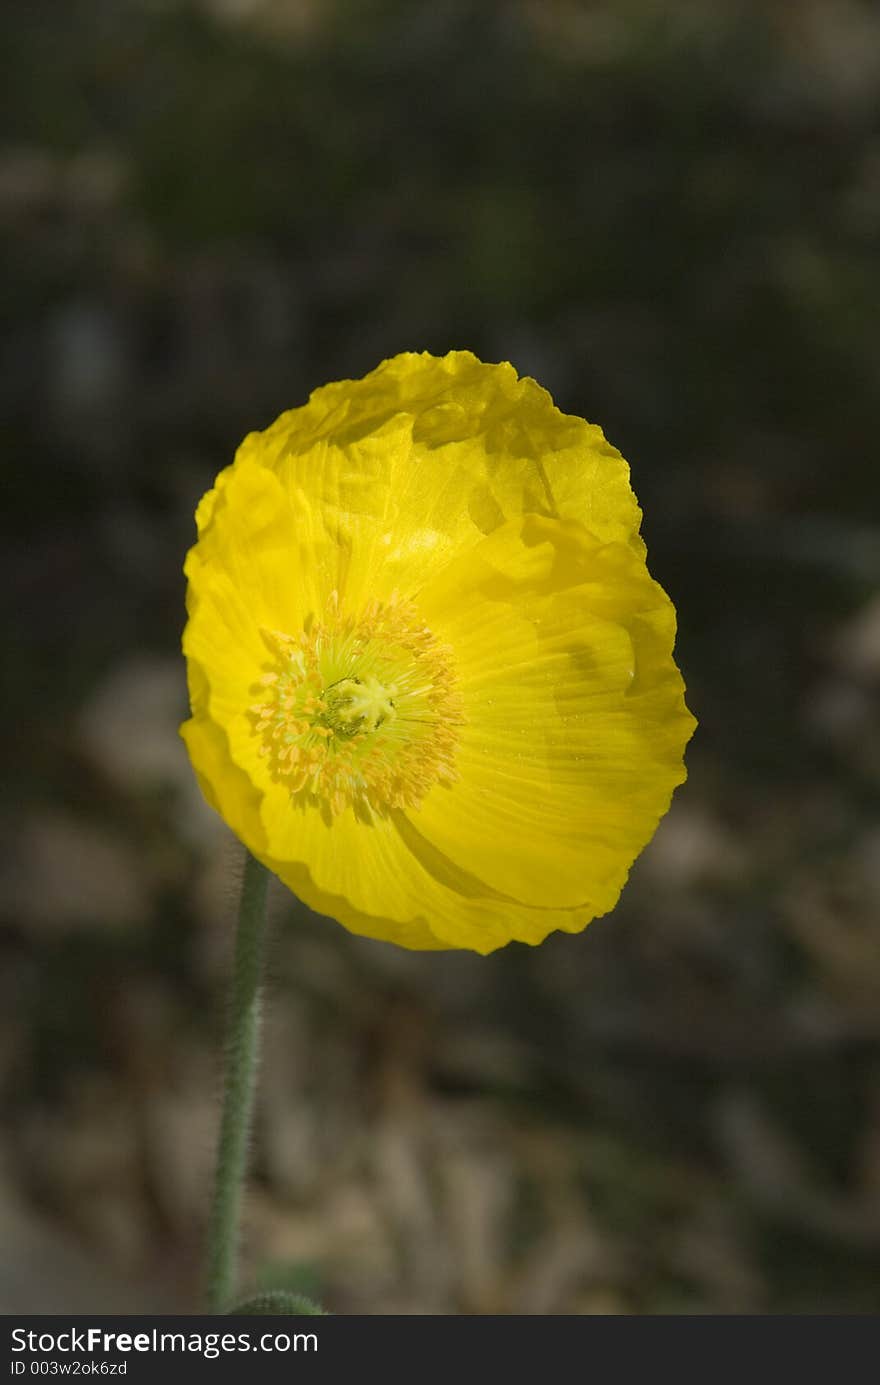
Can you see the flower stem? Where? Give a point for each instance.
(238, 1095)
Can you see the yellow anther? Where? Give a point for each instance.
(359, 708)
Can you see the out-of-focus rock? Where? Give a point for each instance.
(129, 729)
(129, 725)
(478, 1187)
(710, 1250)
(691, 847)
(293, 19)
(60, 874)
(87, 359)
(839, 712)
(181, 1129)
(28, 182)
(44, 1271)
(865, 858)
(857, 646)
(568, 1259)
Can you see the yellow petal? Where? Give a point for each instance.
(226, 788)
(376, 877)
(574, 715)
(263, 558)
(380, 880)
(425, 456)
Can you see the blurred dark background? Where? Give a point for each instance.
(667, 214)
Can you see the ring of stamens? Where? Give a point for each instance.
(359, 710)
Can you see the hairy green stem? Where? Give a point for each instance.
(238, 1095)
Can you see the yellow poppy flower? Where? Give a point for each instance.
(432, 682)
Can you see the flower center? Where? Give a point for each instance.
(359, 711)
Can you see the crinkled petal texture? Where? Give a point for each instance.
(456, 496)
